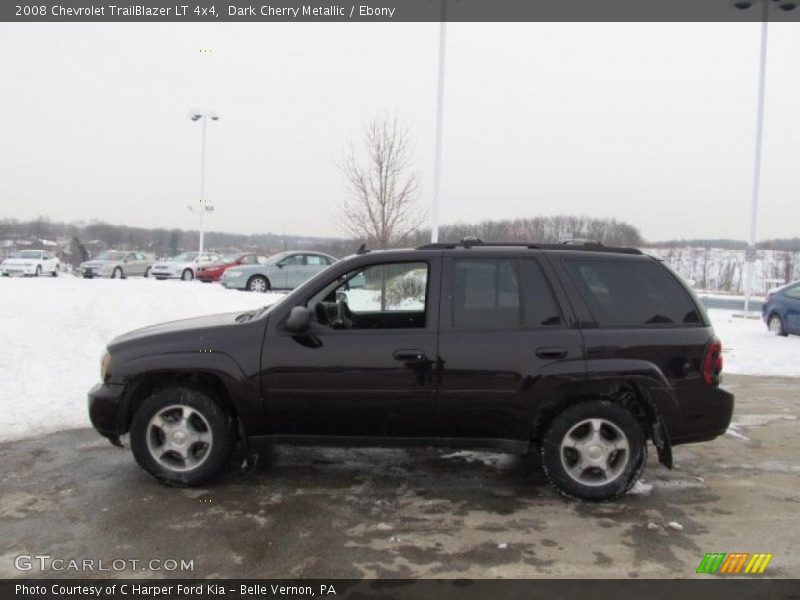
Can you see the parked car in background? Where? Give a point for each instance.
(282, 271)
(214, 271)
(116, 264)
(781, 311)
(31, 262)
(184, 266)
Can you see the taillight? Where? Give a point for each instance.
(712, 363)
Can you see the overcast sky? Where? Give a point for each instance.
(653, 124)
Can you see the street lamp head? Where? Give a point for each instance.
(742, 4)
(213, 116)
(195, 115)
(787, 6)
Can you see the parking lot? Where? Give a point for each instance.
(411, 513)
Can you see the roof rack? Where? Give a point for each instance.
(588, 245)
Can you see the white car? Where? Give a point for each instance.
(184, 266)
(30, 262)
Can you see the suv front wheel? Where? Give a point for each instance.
(181, 436)
(594, 450)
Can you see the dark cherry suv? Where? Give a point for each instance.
(582, 351)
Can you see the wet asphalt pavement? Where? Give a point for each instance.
(336, 513)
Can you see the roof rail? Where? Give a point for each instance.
(589, 246)
(581, 242)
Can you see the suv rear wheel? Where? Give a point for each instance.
(594, 450)
(181, 436)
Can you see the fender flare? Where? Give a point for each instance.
(646, 383)
(219, 365)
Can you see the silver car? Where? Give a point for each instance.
(285, 271)
(116, 264)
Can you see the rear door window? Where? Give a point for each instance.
(539, 304)
(486, 294)
(502, 293)
(628, 293)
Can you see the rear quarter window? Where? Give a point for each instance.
(633, 293)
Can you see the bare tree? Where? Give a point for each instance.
(381, 206)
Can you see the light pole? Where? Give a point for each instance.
(205, 206)
(437, 166)
(750, 253)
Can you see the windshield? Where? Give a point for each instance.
(30, 254)
(229, 258)
(185, 257)
(111, 255)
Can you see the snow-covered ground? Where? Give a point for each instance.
(749, 349)
(53, 332)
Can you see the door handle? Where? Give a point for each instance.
(410, 355)
(551, 352)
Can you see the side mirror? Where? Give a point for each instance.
(279, 265)
(299, 320)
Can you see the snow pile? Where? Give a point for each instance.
(749, 349)
(54, 332)
(640, 488)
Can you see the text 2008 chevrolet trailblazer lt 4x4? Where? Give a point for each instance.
(582, 351)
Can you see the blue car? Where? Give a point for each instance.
(781, 311)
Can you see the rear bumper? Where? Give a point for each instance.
(106, 404)
(717, 412)
(206, 277)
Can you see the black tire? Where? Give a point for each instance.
(117, 273)
(147, 272)
(54, 273)
(627, 465)
(187, 275)
(258, 283)
(38, 271)
(775, 324)
(220, 426)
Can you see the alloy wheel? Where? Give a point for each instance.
(595, 452)
(179, 438)
(258, 284)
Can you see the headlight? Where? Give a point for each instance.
(233, 273)
(104, 364)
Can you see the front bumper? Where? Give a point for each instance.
(91, 274)
(10, 271)
(165, 274)
(106, 410)
(234, 283)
